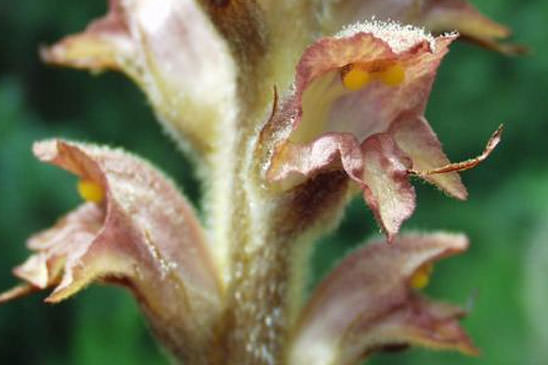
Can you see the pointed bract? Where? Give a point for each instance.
(415, 137)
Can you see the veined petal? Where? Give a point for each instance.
(173, 51)
(70, 237)
(386, 188)
(143, 234)
(378, 166)
(437, 16)
(294, 163)
(420, 322)
(417, 139)
(366, 303)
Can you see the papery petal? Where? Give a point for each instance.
(386, 188)
(420, 322)
(144, 235)
(294, 163)
(70, 237)
(324, 104)
(378, 166)
(437, 16)
(366, 303)
(417, 139)
(173, 51)
(373, 108)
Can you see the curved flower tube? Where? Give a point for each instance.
(173, 52)
(358, 105)
(370, 302)
(135, 230)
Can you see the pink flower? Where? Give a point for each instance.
(136, 230)
(358, 105)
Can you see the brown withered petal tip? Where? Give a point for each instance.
(492, 143)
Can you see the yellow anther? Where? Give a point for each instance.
(91, 191)
(354, 78)
(421, 277)
(393, 75)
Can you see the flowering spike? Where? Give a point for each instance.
(348, 117)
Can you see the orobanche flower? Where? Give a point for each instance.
(358, 103)
(346, 319)
(288, 111)
(134, 229)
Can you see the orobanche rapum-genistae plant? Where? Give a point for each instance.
(288, 109)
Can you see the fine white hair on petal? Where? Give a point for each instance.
(398, 36)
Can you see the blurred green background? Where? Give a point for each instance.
(506, 217)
